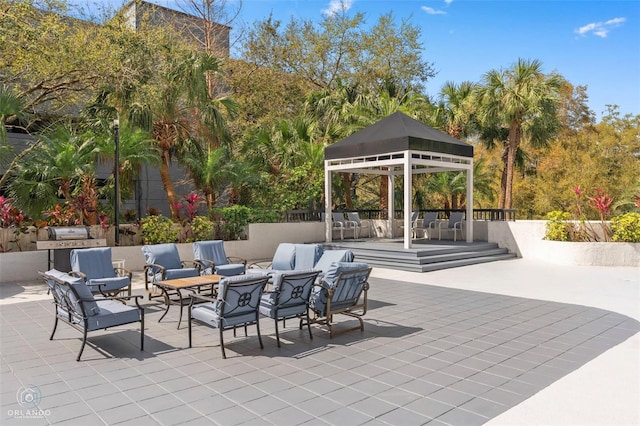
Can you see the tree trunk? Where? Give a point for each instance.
(346, 178)
(384, 194)
(503, 178)
(514, 143)
(167, 183)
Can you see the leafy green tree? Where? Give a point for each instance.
(604, 155)
(56, 63)
(523, 103)
(341, 47)
(11, 109)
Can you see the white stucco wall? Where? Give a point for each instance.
(525, 238)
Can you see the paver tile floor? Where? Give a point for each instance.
(428, 355)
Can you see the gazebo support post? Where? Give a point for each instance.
(469, 214)
(391, 203)
(408, 180)
(327, 203)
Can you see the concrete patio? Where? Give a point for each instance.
(511, 342)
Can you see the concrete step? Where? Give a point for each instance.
(419, 260)
(427, 257)
(435, 266)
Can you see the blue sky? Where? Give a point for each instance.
(592, 43)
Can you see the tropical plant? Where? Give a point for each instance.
(184, 114)
(454, 113)
(62, 165)
(518, 104)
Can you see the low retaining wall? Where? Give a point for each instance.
(524, 238)
(263, 238)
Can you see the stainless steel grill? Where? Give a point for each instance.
(59, 233)
(62, 240)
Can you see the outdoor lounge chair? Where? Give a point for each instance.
(76, 306)
(95, 267)
(284, 259)
(214, 260)
(236, 305)
(454, 224)
(343, 290)
(289, 257)
(289, 298)
(357, 224)
(415, 217)
(329, 257)
(163, 263)
(429, 223)
(336, 225)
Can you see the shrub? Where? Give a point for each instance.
(626, 228)
(201, 228)
(558, 227)
(265, 216)
(233, 220)
(158, 229)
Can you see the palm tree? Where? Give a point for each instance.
(281, 148)
(345, 111)
(524, 102)
(180, 113)
(136, 149)
(63, 164)
(454, 112)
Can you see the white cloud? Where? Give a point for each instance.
(432, 11)
(600, 29)
(448, 2)
(336, 6)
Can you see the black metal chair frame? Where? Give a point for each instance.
(198, 298)
(78, 320)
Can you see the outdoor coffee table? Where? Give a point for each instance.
(178, 291)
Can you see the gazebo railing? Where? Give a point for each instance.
(478, 214)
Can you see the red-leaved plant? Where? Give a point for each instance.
(601, 202)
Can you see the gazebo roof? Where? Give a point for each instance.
(397, 132)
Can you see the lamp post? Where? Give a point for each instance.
(116, 180)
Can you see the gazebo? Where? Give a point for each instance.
(399, 145)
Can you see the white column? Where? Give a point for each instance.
(391, 202)
(408, 207)
(469, 222)
(327, 203)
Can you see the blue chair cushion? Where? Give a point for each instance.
(268, 309)
(93, 262)
(209, 314)
(162, 254)
(112, 313)
(230, 269)
(110, 284)
(338, 267)
(83, 291)
(319, 295)
(172, 274)
(307, 255)
(284, 257)
(210, 250)
(331, 256)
